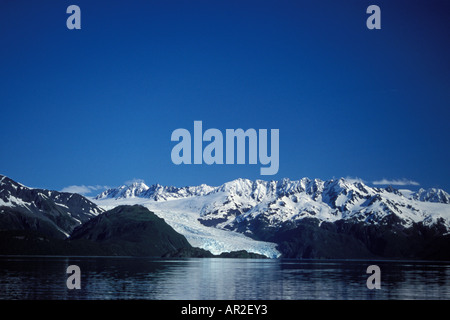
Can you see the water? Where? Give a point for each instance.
(224, 279)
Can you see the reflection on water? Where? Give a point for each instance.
(233, 279)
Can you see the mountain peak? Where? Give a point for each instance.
(432, 195)
(131, 190)
(50, 212)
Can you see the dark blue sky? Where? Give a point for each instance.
(97, 106)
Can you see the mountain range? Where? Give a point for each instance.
(44, 222)
(304, 218)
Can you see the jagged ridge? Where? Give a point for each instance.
(233, 203)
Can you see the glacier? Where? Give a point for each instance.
(182, 215)
(220, 219)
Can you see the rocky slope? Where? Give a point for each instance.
(53, 213)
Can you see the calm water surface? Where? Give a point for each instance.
(233, 279)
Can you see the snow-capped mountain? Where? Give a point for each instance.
(432, 195)
(278, 202)
(51, 212)
(155, 192)
(232, 203)
(259, 209)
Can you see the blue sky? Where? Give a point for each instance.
(97, 106)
